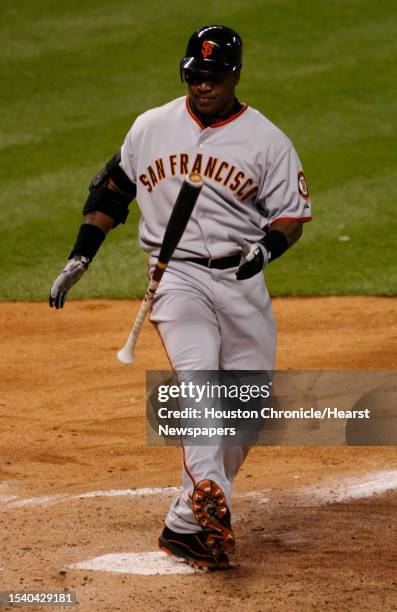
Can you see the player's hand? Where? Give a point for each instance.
(71, 273)
(254, 257)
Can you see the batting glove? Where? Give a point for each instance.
(254, 257)
(71, 273)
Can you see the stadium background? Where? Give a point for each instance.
(76, 74)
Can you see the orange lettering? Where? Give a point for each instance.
(184, 163)
(218, 174)
(152, 175)
(240, 192)
(145, 181)
(250, 193)
(160, 169)
(197, 163)
(207, 48)
(173, 164)
(210, 167)
(237, 181)
(227, 179)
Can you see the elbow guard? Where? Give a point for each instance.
(111, 201)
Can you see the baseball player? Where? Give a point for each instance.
(212, 308)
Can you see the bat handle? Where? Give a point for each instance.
(126, 354)
(176, 225)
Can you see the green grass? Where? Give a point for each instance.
(74, 75)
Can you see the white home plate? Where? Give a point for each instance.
(146, 563)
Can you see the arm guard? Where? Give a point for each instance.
(112, 202)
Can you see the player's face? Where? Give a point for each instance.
(212, 93)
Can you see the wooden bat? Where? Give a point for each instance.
(176, 225)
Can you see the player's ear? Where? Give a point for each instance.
(236, 77)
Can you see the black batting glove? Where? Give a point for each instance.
(254, 257)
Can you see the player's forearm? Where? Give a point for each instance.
(292, 230)
(280, 237)
(99, 219)
(91, 235)
(89, 238)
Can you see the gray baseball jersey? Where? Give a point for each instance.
(208, 320)
(252, 177)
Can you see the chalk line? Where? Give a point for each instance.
(53, 499)
(338, 490)
(352, 487)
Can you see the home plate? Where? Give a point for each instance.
(146, 563)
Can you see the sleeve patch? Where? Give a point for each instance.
(302, 185)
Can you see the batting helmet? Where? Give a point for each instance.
(213, 48)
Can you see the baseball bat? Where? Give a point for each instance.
(176, 225)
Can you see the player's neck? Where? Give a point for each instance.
(208, 120)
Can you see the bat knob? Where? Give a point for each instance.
(194, 179)
(125, 356)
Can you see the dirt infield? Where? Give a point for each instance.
(72, 423)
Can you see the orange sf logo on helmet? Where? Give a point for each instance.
(207, 48)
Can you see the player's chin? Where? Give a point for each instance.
(206, 106)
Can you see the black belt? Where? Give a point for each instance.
(220, 264)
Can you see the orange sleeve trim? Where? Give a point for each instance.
(299, 219)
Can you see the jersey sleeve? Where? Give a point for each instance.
(128, 154)
(284, 194)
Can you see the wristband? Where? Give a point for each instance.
(89, 239)
(276, 244)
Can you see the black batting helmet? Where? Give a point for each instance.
(213, 48)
